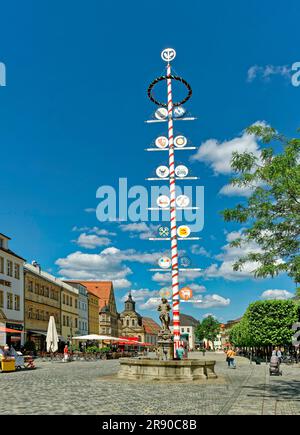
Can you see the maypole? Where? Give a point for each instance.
(173, 225)
(165, 113)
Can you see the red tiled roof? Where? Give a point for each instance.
(102, 289)
(151, 327)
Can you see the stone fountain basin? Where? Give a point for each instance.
(174, 370)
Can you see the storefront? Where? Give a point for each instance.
(11, 334)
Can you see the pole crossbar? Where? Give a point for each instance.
(167, 149)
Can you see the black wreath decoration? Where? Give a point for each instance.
(159, 79)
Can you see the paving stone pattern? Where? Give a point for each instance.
(84, 387)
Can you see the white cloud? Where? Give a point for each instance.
(276, 294)
(108, 265)
(265, 72)
(91, 241)
(140, 229)
(199, 250)
(233, 190)
(213, 300)
(218, 154)
(197, 288)
(141, 294)
(96, 230)
(151, 304)
(229, 256)
(162, 277)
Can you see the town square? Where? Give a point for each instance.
(149, 212)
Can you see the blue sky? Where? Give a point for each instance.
(72, 119)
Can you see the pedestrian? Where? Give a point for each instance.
(66, 353)
(279, 354)
(180, 352)
(203, 351)
(230, 358)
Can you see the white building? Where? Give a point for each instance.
(188, 325)
(11, 295)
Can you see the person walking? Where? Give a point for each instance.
(66, 353)
(230, 358)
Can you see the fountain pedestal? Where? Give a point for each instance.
(173, 370)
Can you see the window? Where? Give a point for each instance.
(182, 329)
(76, 323)
(1, 265)
(9, 301)
(29, 313)
(75, 303)
(133, 322)
(47, 315)
(71, 302)
(47, 292)
(188, 329)
(1, 243)
(1, 299)
(30, 286)
(9, 266)
(17, 303)
(64, 320)
(68, 321)
(127, 322)
(67, 299)
(17, 271)
(42, 290)
(37, 288)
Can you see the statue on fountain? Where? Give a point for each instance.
(164, 317)
(165, 338)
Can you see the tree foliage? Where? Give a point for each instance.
(209, 328)
(266, 323)
(273, 209)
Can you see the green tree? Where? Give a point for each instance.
(270, 322)
(273, 209)
(209, 328)
(239, 334)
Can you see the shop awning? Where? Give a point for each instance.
(9, 330)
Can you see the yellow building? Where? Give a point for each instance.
(93, 313)
(42, 293)
(69, 312)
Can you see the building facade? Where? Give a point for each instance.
(11, 295)
(151, 329)
(93, 312)
(42, 293)
(69, 312)
(225, 331)
(83, 303)
(108, 315)
(188, 326)
(131, 321)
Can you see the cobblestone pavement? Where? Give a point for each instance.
(92, 388)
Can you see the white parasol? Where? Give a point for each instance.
(52, 337)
